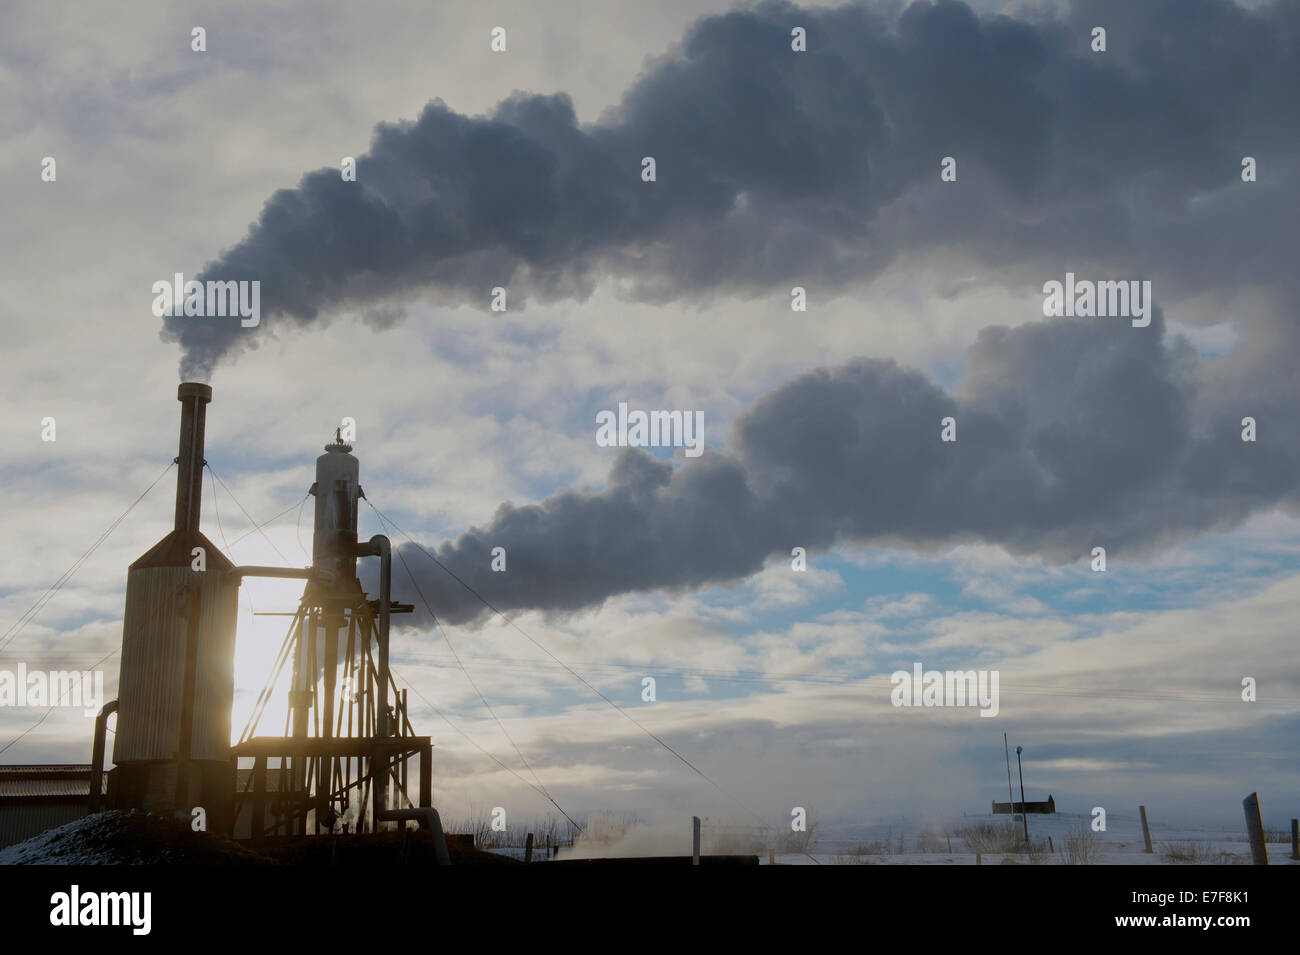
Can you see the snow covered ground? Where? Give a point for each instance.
(119, 838)
(122, 838)
(1120, 844)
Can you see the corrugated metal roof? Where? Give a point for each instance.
(152, 682)
(71, 779)
(19, 822)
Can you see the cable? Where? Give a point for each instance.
(268, 522)
(298, 527)
(470, 740)
(635, 722)
(256, 526)
(540, 786)
(138, 630)
(68, 574)
(217, 511)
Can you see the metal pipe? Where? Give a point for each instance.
(194, 398)
(380, 546)
(429, 819)
(97, 757)
(296, 573)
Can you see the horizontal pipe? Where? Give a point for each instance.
(296, 573)
(332, 747)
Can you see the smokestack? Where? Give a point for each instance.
(194, 398)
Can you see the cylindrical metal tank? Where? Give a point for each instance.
(176, 686)
(178, 659)
(337, 491)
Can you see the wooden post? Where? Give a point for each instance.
(979, 860)
(1146, 832)
(695, 840)
(1255, 829)
(528, 848)
(1050, 847)
(949, 838)
(771, 857)
(1295, 838)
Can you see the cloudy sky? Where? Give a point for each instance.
(774, 169)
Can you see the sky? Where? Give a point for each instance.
(522, 169)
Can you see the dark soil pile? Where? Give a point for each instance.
(140, 838)
(129, 838)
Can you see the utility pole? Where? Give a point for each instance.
(1011, 799)
(1024, 808)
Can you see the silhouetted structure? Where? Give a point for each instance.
(1042, 808)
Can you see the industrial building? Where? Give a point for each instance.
(346, 761)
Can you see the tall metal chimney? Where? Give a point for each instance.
(194, 398)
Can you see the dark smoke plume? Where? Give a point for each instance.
(777, 167)
(1073, 434)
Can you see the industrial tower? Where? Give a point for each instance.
(346, 750)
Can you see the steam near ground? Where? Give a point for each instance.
(1056, 839)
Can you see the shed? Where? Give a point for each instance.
(34, 798)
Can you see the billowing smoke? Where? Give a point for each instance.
(1072, 433)
(776, 168)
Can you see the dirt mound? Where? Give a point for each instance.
(134, 838)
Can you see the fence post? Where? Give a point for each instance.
(1050, 847)
(695, 840)
(1255, 829)
(1295, 838)
(1146, 832)
(771, 857)
(528, 848)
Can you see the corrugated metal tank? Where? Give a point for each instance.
(162, 603)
